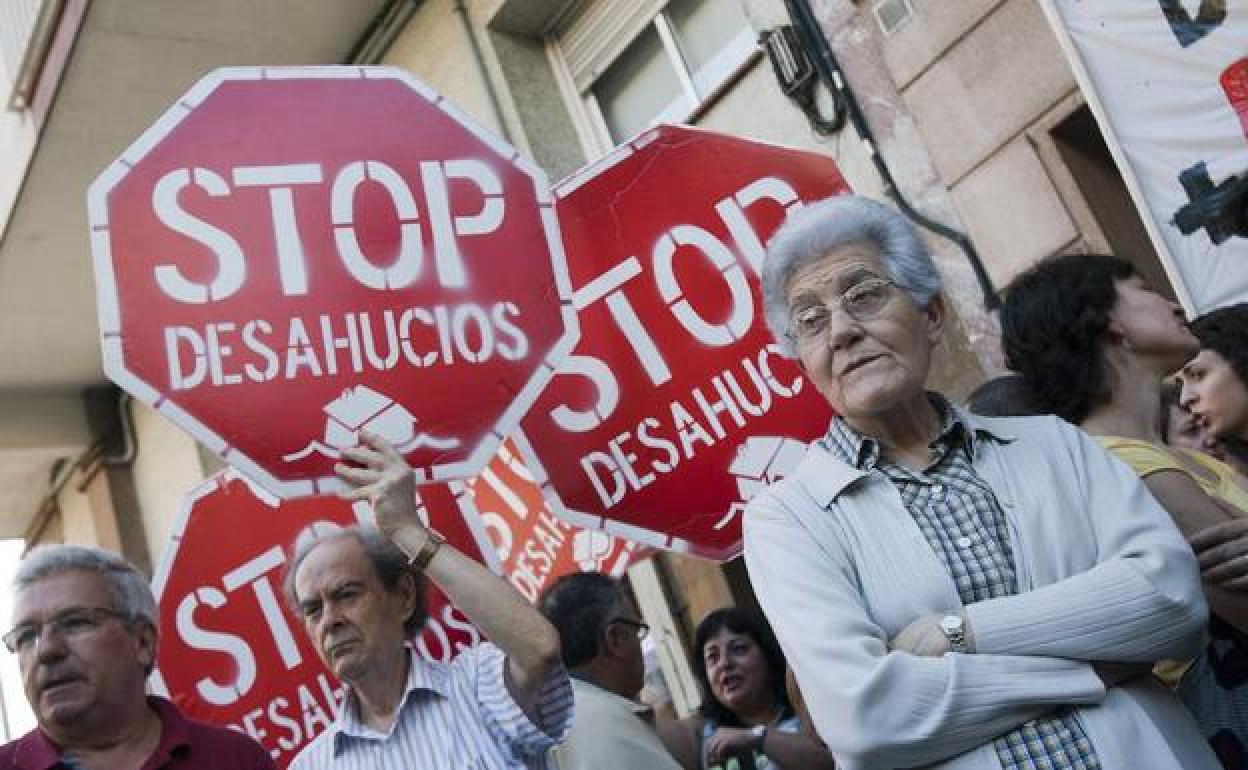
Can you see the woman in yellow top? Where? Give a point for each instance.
(1094, 345)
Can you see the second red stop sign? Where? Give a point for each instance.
(291, 255)
(676, 405)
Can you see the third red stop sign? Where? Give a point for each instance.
(676, 405)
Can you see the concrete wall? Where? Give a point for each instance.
(128, 508)
(167, 466)
(87, 516)
(435, 46)
(17, 147)
(987, 84)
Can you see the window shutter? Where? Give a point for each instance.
(593, 40)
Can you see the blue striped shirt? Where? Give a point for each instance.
(455, 716)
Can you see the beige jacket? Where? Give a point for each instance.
(610, 733)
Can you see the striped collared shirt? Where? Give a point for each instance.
(455, 716)
(961, 519)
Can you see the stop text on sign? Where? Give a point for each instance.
(725, 402)
(282, 181)
(676, 404)
(260, 350)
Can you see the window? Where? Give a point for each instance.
(625, 65)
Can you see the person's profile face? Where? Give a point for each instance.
(1184, 430)
(1152, 324)
(624, 632)
(1215, 395)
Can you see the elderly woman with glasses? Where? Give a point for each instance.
(950, 590)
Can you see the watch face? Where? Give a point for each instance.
(951, 624)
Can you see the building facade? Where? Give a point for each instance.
(970, 106)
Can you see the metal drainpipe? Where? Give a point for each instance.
(830, 72)
(462, 10)
(129, 439)
(381, 32)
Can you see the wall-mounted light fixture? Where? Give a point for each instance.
(797, 77)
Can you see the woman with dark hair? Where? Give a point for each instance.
(1095, 346)
(1180, 428)
(1215, 382)
(747, 721)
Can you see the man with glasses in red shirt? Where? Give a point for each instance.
(84, 631)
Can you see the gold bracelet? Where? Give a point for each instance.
(420, 560)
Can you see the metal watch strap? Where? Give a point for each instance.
(955, 634)
(420, 560)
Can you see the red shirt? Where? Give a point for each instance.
(185, 744)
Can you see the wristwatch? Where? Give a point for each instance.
(954, 630)
(760, 734)
(433, 541)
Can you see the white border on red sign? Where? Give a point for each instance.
(110, 312)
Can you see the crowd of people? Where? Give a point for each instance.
(1051, 576)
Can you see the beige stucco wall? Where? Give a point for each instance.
(166, 467)
(435, 47)
(87, 513)
(985, 80)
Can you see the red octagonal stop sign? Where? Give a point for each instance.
(291, 255)
(676, 406)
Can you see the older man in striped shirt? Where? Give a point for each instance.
(499, 705)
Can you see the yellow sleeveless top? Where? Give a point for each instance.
(1216, 478)
(1219, 479)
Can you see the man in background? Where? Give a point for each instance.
(601, 634)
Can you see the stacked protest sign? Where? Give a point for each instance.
(291, 256)
(676, 404)
(533, 546)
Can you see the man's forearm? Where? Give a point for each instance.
(529, 641)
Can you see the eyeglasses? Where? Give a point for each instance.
(70, 624)
(641, 629)
(861, 302)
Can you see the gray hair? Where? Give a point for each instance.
(128, 588)
(389, 562)
(811, 232)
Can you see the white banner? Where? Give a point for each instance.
(1168, 82)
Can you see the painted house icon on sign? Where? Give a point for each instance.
(760, 461)
(363, 409)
